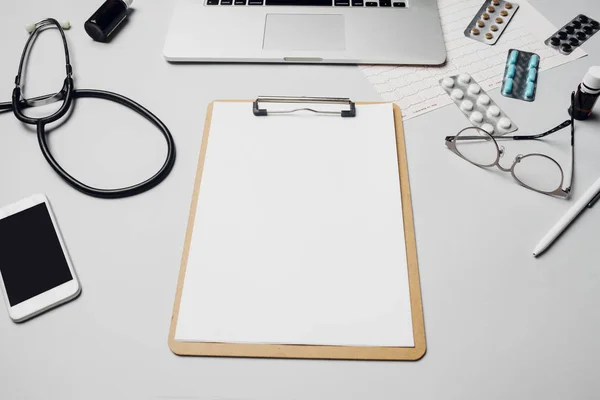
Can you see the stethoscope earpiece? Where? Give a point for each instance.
(31, 27)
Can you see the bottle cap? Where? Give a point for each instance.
(592, 79)
(128, 3)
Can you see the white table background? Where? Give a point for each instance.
(499, 323)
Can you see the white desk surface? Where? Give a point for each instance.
(499, 323)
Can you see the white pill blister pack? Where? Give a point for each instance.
(475, 103)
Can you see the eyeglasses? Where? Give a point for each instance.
(535, 171)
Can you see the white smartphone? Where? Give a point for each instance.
(36, 273)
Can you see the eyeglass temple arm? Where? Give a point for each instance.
(568, 189)
(570, 122)
(540, 135)
(555, 129)
(522, 137)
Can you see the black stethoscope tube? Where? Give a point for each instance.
(68, 94)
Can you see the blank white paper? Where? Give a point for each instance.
(298, 237)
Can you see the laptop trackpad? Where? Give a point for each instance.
(304, 32)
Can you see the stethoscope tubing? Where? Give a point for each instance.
(68, 94)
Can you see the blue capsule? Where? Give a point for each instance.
(534, 61)
(508, 86)
(520, 75)
(529, 90)
(511, 70)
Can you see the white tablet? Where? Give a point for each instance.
(36, 273)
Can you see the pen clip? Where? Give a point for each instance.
(594, 200)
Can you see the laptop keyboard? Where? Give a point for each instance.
(322, 3)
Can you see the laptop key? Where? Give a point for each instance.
(299, 2)
(371, 4)
(240, 2)
(212, 2)
(255, 2)
(385, 3)
(399, 4)
(357, 3)
(226, 2)
(341, 3)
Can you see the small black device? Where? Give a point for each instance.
(106, 19)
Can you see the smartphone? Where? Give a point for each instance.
(36, 273)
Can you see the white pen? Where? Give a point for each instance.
(588, 199)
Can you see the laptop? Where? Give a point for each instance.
(306, 31)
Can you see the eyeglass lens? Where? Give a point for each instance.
(539, 172)
(535, 171)
(477, 146)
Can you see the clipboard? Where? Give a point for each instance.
(254, 350)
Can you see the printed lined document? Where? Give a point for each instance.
(298, 235)
(416, 89)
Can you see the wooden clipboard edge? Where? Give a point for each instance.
(173, 344)
(309, 351)
(414, 280)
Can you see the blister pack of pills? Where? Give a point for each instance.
(520, 75)
(474, 102)
(491, 20)
(573, 34)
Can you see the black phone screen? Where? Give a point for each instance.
(31, 258)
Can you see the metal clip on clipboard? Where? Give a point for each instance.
(351, 112)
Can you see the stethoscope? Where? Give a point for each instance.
(67, 94)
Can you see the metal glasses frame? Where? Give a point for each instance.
(559, 192)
